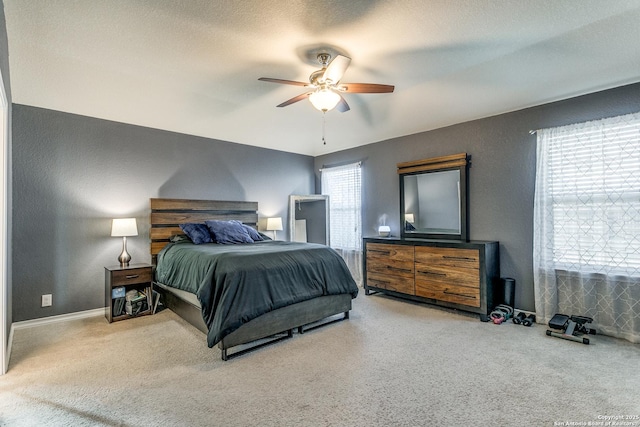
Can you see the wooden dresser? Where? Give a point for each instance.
(449, 273)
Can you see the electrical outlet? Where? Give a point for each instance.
(46, 300)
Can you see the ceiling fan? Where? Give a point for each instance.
(325, 88)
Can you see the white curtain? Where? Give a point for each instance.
(587, 224)
(343, 186)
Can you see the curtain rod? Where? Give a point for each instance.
(337, 166)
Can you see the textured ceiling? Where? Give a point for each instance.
(192, 66)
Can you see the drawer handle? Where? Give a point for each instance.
(431, 273)
(132, 276)
(378, 281)
(461, 258)
(398, 269)
(377, 251)
(446, 291)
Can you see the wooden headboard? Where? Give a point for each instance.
(168, 214)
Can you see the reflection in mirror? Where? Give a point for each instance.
(432, 202)
(309, 218)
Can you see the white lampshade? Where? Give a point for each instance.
(324, 99)
(409, 218)
(274, 224)
(122, 227)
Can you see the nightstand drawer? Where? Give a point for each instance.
(131, 276)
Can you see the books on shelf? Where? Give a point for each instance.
(156, 300)
(136, 302)
(118, 292)
(118, 307)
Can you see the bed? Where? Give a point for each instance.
(244, 295)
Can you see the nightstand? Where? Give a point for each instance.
(132, 277)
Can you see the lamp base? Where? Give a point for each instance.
(124, 257)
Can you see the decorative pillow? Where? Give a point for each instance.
(255, 236)
(198, 233)
(226, 232)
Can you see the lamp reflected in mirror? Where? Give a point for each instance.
(409, 219)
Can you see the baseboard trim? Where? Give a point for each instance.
(55, 319)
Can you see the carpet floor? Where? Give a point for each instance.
(393, 363)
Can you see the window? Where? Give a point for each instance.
(589, 186)
(343, 186)
(586, 245)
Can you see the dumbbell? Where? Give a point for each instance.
(519, 318)
(530, 320)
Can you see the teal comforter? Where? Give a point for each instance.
(237, 283)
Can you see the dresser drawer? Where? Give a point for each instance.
(446, 275)
(395, 260)
(464, 295)
(448, 257)
(453, 274)
(131, 276)
(391, 283)
(448, 266)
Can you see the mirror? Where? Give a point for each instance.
(433, 198)
(309, 218)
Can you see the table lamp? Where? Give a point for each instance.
(124, 227)
(274, 224)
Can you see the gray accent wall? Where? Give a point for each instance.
(501, 176)
(73, 174)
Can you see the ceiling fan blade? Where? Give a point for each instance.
(284, 82)
(342, 105)
(365, 88)
(295, 99)
(336, 68)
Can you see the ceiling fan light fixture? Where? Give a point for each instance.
(325, 91)
(324, 99)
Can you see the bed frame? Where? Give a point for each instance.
(271, 327)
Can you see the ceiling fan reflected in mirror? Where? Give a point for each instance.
(325, 88)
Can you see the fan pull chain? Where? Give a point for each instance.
(324, 142)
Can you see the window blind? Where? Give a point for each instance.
(588, 182)
(343, 186)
